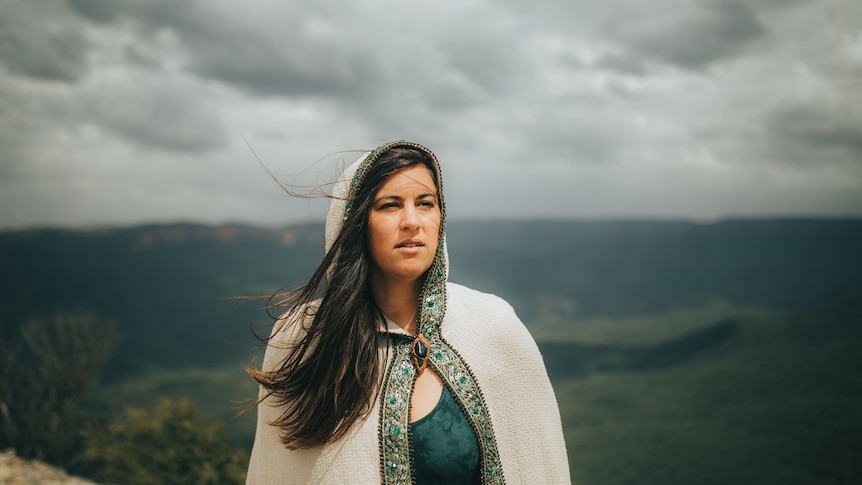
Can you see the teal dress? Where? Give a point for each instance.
(445, 450)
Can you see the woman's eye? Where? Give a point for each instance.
(427, 203)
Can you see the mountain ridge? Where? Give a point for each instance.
(169, 286)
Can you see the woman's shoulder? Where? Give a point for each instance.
(464, 298)
(486, 321)
(483, 312)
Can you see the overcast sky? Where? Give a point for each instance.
(123, 111)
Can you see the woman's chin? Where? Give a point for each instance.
(408, 274)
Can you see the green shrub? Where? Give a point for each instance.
(170, 444)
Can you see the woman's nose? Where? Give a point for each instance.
(409, 217)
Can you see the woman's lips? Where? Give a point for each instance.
(410, 243)
(410, 246)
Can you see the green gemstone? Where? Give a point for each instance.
(396, 431)
(392, 400)
(405, 371)
(430, 304)
(438, 356)
(463, 380)
(476, 411)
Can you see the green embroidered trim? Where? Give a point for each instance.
(396, 452)
(460, 380)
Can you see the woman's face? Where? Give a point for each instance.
(404, 225)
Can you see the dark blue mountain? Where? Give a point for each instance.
(170, 287)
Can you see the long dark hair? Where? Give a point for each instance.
(333, 369)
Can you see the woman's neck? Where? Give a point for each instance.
(398, 300)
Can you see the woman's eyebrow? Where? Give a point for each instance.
(389, 197)
(398, 197)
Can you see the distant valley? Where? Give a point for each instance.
(169, 287)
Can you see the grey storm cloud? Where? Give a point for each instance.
(691, 35)
(99, 10)
(621, 108)
(290, 63)
(291, 59)
(808, 134)
(161, 118)
(56, 52)
(267, 69)
(691, 39)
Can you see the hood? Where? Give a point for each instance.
(433, 295)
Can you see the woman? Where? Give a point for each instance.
(382, 372)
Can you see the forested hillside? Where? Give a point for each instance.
(169, 288)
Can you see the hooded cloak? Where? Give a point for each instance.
(477, 345)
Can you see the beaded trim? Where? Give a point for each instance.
(395, 437)
(396, 451)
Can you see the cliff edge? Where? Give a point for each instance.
(17, 471)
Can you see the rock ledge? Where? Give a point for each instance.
(17, 471)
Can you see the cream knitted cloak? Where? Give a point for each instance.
(494, 357)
